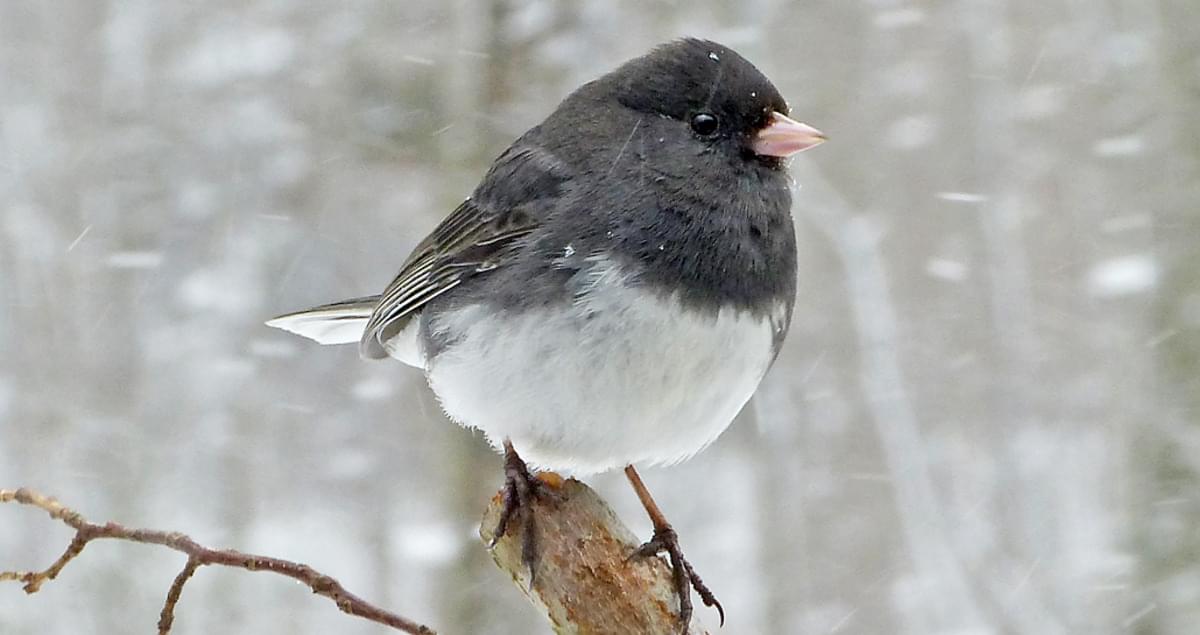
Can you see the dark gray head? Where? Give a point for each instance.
(704, 96)
(678, 164)
(716, 92)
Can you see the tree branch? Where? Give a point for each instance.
(585, 581)
(198, 556)
(585, 584)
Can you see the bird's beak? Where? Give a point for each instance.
(784, 137)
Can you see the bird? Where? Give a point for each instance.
(612, 292)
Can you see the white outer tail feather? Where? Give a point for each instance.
(344, 323)
(333, 324)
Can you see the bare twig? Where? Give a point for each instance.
(167, 617)
(198, 556)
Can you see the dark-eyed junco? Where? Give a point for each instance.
(617, 285)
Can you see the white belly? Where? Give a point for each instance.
(618, 378)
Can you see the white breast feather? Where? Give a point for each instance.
(621, 377)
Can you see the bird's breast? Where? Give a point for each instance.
(619, 375)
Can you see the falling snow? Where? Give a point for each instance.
(946, 269)
(984, 419)
(1122, 276)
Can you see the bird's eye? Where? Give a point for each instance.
(705, 124)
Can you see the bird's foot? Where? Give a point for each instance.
(521, 488)
(666, 541)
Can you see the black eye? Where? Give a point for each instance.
(705, 124)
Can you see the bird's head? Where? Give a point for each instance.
(705, 97)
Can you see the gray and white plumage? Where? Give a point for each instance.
(618, 284)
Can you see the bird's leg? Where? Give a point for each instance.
(665, 539)
(520, 488)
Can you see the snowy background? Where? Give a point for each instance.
(985, 419)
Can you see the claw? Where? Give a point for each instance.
(521, 488)
(508, 507)
(703, 591)
(665, 540)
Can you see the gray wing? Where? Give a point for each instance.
(484, 233)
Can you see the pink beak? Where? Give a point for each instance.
(784, 137)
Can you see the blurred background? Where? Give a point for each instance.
(984, 420)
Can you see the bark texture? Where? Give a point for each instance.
(585, 583)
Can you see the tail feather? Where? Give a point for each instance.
(338, 323)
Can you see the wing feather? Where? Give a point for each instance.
(480, 235)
